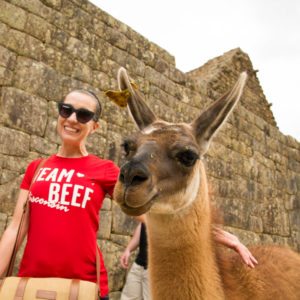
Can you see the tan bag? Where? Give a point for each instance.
(22, 288)
(30, 288)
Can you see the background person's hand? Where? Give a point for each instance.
(124, 259)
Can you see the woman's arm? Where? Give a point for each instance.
(9, 236)
(231, 241)
(132, 245)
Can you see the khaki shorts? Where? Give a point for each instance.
(136, 286)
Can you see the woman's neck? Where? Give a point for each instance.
(72, 151)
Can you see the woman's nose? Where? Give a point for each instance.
(73, 117)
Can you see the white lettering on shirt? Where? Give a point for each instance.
(65, 173)
(86, 197)
(53, 196)
(43, 172)
(62, 193)
(76, 195)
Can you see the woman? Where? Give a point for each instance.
(65, 200)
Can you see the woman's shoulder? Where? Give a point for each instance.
(34, 164)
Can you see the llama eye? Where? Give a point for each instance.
(127, 147)
(188, 158)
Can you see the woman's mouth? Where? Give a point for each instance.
(70, 129)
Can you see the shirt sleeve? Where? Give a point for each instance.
(111, 177)
(29, 173)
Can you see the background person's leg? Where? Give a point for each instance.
(133, 286)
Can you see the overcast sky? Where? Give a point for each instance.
(195, 31)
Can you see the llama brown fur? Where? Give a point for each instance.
(185, 264)
(164, 177)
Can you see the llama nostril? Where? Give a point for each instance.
(138, 179)
(133, 174)
(122, 178)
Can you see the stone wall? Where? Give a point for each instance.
(49, 47)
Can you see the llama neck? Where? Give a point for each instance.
(181, 253)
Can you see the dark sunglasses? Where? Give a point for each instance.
(82, 115)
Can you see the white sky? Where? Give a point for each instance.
(195, 31)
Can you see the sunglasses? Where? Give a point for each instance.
(82, 115)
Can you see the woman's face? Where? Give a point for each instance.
(69, 129)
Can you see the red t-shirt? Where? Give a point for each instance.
(65, 201)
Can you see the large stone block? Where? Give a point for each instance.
(122, 224)
(12, 15)
(13, 142)
(51, 132)
(105, 224)
(7, 175)
(3, 222)
(275, 218)
(42, 146)
(6, 76)
(53, 3)
(8, 195)
(112, 253)
(7, 58)
(38, 27)
(34, 6)
(77, 49)
(32, 76)
(24, 111)
(106, 205)
(96, 144)
(18, 164)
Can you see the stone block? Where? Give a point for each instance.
(82, 72)
(42, 146)
(7, 58)
(6, 76)
(120, 239)
(13, 16)
(31, 76)
(77, 49)
(34, 6)
(111, 254)
(38, 27)
(275, 218)
(113, 147)
(13, 142)
(122, 224)
(7, 175)
(105, 224)
(3, 223)
(101, 81)
(96, 144)
(255, 224)
(8, 195)
(106, 205)
(295, 219)
(18, 164)
(24, 111)
(51, 132)
(53, 3)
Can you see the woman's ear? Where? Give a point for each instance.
(95, 127)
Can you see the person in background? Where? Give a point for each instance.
(137, 284)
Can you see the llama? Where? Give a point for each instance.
(164, 177)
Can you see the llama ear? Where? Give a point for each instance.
(211, 120)
(138, 108)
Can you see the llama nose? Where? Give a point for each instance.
(133, 174)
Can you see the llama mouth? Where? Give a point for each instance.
(139, 210)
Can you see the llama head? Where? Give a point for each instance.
(161, 172)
